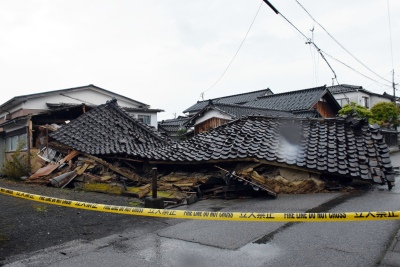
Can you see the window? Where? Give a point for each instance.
(144, 118)
(342, 101)
(12, 142)
(365, 101)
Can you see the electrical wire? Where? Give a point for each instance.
(83, 101)
(378, 80)
(341, 62)
(337, 42)
(320, 52)
(234, 56)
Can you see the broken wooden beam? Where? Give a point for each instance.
(263, 187)
(128, 174)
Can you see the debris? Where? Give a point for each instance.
(64, 179)
(46, 170)
(255, 185)
(124, 172)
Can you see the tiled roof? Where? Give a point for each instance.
(313, 113)
(344, 88)
(329, 146)
(108, 129)
(173, 125)
(290, 101)
(232, 99)
(239, 111)
(20, 99)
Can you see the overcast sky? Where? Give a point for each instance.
(166, 53)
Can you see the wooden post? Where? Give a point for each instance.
(154, 183)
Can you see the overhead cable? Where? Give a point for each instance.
(337, 60)
(308, 40)
(234, 56)
(318, 49)
(334, 39)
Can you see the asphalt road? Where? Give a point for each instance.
(123, 240)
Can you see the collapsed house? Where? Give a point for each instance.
(255, 153)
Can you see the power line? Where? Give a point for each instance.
(323, 52)
(336, 41)
(308, 39)
(234, 56)
(341, 62)
(379, 82)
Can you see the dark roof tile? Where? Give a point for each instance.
(108, 129)
(232, 99)
(270, 139)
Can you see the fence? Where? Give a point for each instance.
(391, 137)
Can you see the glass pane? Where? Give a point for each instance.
(14, 143)
(8, 144)
(23, 137)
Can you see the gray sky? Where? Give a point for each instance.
(166, 53)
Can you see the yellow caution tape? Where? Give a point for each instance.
(215, 216)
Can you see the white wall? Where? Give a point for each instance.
(212, 114)
(89, 97)
(153, 117)
(352, 96)
(377, 99)
(357, 97)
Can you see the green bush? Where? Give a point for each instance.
(18, 165)
(355, 110)
(386, 114)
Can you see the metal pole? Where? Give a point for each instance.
(154, 183)
(394, 88)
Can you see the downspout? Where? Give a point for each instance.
(47, 140)
(358, 97)
(28, 145)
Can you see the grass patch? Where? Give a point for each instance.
(103, 188)
(3, 238)
(40, 208)
(135, 204)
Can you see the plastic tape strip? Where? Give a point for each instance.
(208, 215)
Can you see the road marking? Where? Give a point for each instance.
(208, 215)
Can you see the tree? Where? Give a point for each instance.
(182, 133)
(386, 114)
(355, 110)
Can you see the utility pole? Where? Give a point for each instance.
(394, 88)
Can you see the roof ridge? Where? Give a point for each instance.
(247, 107)
(113, 103)
(294, 92)
(222, 97)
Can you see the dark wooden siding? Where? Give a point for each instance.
(325, 109)
(209, 124)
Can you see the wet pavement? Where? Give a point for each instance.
(392, 256)
(223, 243)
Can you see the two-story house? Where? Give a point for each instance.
(24, 118)
(345, 93)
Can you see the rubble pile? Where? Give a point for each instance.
(283, 180)
(176, 186)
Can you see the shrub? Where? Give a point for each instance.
(355, 110)
(386, 114)
(18, 165)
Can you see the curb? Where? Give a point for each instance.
(392, 256)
